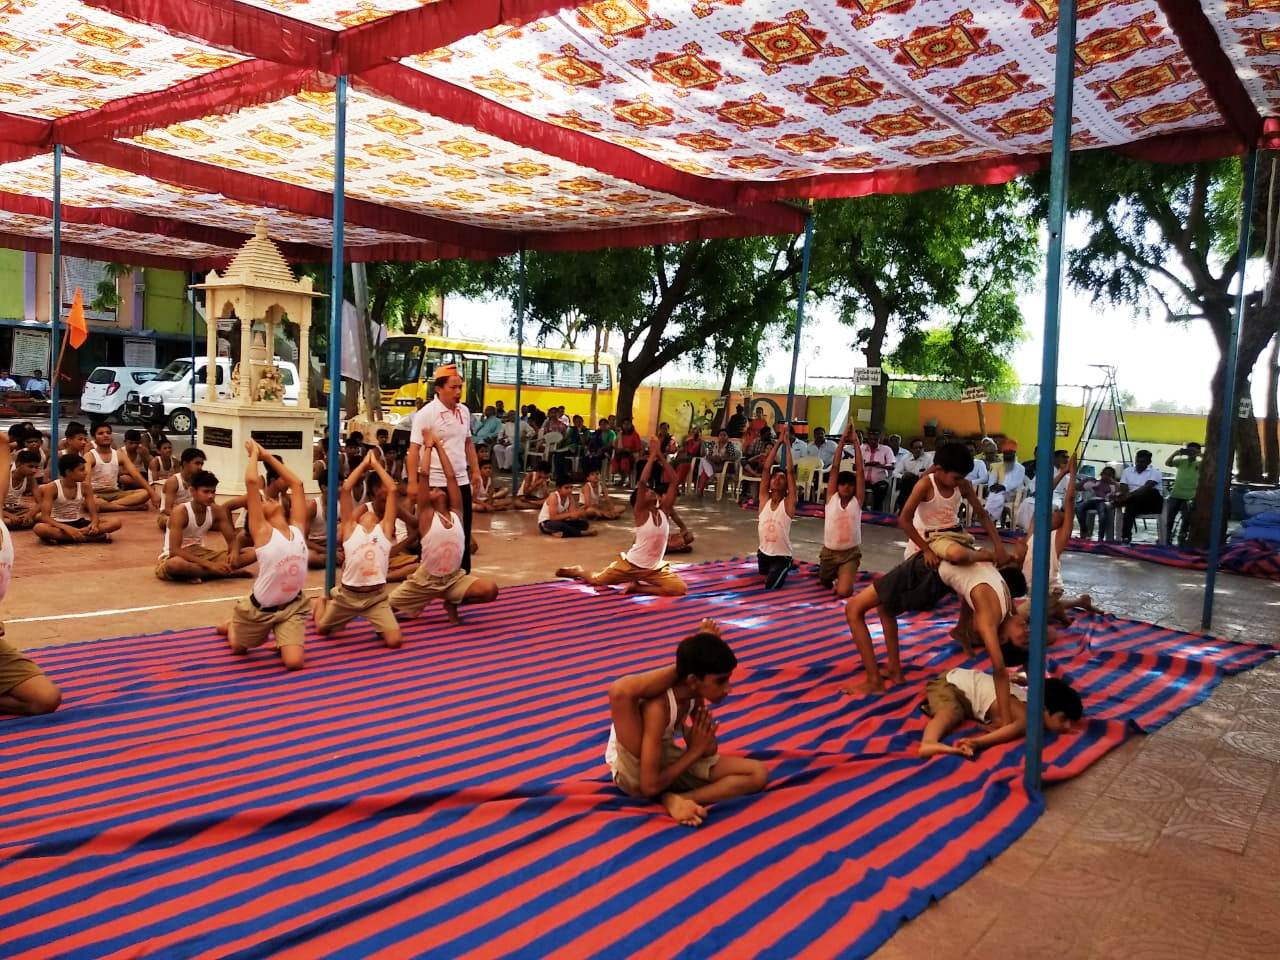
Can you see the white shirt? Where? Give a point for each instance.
(963, 577)
(1015, 475)
(916, 466)
(799, 449)
(6, 560)
(978, 474)
(366, 554)
(1135, 480)
(1055, 566)
(650, 547)
(826, 452)
(979, 688)
(443, 547)
(842, 526)
(774, 527)
(8, 383)
(282, 568)
(453, 427)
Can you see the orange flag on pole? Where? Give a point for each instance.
(77, 329)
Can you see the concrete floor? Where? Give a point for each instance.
(1164, 849)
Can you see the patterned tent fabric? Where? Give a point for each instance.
(479, 126)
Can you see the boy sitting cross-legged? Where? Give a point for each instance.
(647, 710)
(961, 696)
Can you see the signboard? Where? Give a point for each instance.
(30, 352)
(973, 395)
(1062, 429)
(867, 376)
(216, 437)
(277, 439)
(139, 352)
(592, 378)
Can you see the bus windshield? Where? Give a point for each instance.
(400, 361)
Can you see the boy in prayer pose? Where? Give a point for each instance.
(841, 553)
(648, 708)
(106, 463)
(185, 556)
(367, 539)
(68, 508)
(24, 688)
(534, 489)
(643, 568)
(276, 605)
(560, 516)
(962, 696)
(440, 575)
(20, 511)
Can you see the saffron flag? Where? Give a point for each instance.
(77, 328)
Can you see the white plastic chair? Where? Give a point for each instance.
(808, 470)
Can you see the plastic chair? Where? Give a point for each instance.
(808, 469)
(730, 473)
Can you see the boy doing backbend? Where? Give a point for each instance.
(647, 710)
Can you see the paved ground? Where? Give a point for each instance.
(1165, 849)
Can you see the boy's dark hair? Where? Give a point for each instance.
(102, 426)
(703, 654)
(355, 438)
(28, 456)
(1015, 580)
(31, 433)
(75, 429)
(204, 479)
(1061, 697)
(18, 434)
(564, 480)
(68, 462)
(272, 476)
(371, 482)
(194, 453)
(846, 477)
(133, 436)
(1014, 655)
(954, 457)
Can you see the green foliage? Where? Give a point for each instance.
(106, 294)
(940, 269)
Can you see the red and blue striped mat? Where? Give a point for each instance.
(450, 799)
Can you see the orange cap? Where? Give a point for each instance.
(445, 370)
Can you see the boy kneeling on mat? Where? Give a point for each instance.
(648, 708)
(963, 696)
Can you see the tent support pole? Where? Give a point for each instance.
(1222, 475)
(1043, 541)
(520, 304)
(801, 295)
(191, 306)
(55, 313)
(334, 471)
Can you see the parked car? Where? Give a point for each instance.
(168, 396)
(108, 388)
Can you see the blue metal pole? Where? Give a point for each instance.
(1043, 540)
(520, 299)
(191, 305)
(801, 296)
(335, 335)
(55, 310)
(1222, 477)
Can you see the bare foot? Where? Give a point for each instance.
(568, 573)
(683, 810)
(237, 649)
(631, 589)
(222, 629)
(558, 535)
(1086, 604)
(894, 676)
(868, 688)
(927, 750)
(451, 611)
(475, 547)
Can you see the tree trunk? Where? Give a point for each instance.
(722, 416)
(627, 397)
(1271, 454)
(875, 358)
(1248, 445)
(1201, 519)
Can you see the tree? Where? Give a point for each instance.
(1167, 235)
(667, 302)
(106, 295)
(950, 260)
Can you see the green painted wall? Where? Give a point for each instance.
(165, 303)
(13, 284)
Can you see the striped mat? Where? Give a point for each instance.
(449, 799)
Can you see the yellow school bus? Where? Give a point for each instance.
(550, 378)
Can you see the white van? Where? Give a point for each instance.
(168, 396)
(107, 389)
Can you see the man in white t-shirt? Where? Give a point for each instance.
(911, 468)
(450, 420)
(1141, 492)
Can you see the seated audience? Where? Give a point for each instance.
(1140, 493)
(185, 556)
(68, 508)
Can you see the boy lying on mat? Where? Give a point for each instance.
(962, 696)
(986, 594)
(647, 710)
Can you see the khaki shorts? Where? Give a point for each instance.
(345, 604)
(204, 553)
(110, 496)
(942, 537)
(624, 571)
(944, 697)
(408, 599)
(15, 666)
(398, 561)
(253, 626)
(626, 770)
(832, 562)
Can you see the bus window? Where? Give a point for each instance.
(399, 361)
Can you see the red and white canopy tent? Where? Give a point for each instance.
(159, 132)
